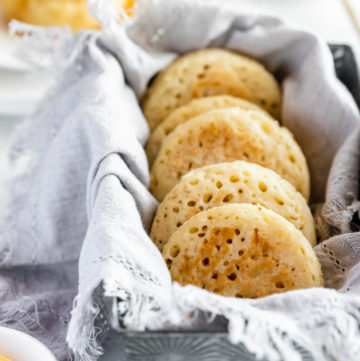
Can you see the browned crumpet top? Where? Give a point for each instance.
(188, 111)
(224, 183)
(226, 135)
(210, 72)
(242, 250)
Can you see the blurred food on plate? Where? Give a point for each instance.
(3, 358)
(56, 12)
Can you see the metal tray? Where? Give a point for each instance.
(204, 345)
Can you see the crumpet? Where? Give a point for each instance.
(242, 250)
(224, 183)
(188, 111)
(210, 72)
(226, 135)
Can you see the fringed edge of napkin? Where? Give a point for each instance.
(250, 323)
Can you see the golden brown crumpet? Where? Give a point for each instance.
(242, 250)
(224, 183)
(210, 72)
(188, 111)
(73, 13)
(226, 135)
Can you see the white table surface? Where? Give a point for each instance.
(19, 91)
(327, 18)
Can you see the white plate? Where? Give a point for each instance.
(18, 346)
(20, 92)
(20, 86)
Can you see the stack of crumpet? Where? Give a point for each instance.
(232, 182)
